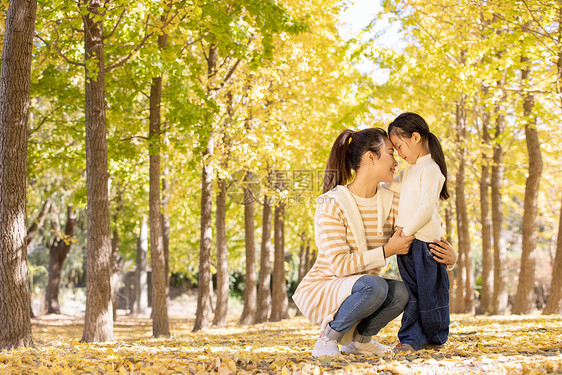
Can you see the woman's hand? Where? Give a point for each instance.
(443, 252)
(398, 243)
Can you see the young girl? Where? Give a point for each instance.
(426, 318)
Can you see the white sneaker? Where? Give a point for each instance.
(366, 348)
(326, 347)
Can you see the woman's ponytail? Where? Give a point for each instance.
(437, 155)
(338, 168)
(346, 154)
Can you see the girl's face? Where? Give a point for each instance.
(385, 166)
(408, 149)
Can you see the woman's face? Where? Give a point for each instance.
(385, 165)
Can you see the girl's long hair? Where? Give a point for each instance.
(408, 123)
(346, 154)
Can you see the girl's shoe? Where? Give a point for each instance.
(403, 348)
(366, 348)
(326, 346)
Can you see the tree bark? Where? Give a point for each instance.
(486, 220)
(554, 301)
(160, 323)
(266, 253)
(449, 237)
(15, 81)
(116, 266)
(166, 229)
(525, 288)
(98, 321)
(465, 283)
(221, 310)
(141, 285)
(280, 303)
(204, 278)
(249, 312)
(499, 300)
(303, 254)
(57, 255)
(223, 279)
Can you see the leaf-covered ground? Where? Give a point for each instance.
(477, 345)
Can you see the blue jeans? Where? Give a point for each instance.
(426, 317)
(374, 302)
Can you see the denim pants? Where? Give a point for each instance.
(426, 317)
(373, 302)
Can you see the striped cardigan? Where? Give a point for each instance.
(346, 227)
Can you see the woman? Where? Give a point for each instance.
(354, 224)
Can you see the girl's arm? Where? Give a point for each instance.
(430, 185)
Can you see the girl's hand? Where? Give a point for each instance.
(443, 251)
(398, 244)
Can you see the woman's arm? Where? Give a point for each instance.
(444, 252)
(398, 244)
(332, 235)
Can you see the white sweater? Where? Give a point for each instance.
(419, 186)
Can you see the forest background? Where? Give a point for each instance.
(189, 139)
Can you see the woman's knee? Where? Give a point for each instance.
(373, 286)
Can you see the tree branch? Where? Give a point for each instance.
(59, 51)
(44, 119)
(116, 25)
(135, 85)
(126, 58)
(134, 137)
(231, 72)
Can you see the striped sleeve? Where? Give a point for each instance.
(332, 235)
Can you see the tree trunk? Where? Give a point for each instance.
(115, 268)
(280, 303)
(221, 310)
(553, 303)
(141, 286)
(15, 80)
(98, 321)
(57, 255)
(166, 229)
(160, 324)
(487, 254)
(449, 237)
(249, 312)
(206, 239)
(266, 253)
(204, 278)
(303, 254)
(465, 280)
(223, 279)
(499, 301)
(525, 289)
